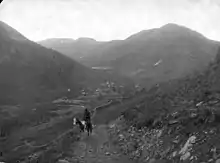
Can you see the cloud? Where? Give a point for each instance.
(108, 19)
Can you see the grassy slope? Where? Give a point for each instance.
(30, 73)
(25, 131)
(31, 130)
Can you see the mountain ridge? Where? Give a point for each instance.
(180, 50)
(30, 72)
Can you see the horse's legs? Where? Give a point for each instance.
(88, 130)
(91, 129)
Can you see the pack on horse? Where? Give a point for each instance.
(87, 119)
(81, 124)
(85, 124)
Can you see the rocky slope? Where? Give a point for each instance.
(174, 126)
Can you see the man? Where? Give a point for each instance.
(87, 116)
(87, 119)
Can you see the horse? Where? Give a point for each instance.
(82, 124)
(89, 127)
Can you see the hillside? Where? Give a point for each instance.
(76, 49)
(157, 126)
(164, 123)
(166, 53)
(176, 121)
(150, 56)
(31, 73)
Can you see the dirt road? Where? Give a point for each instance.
(98, 148)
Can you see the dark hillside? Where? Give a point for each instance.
(190, 110)
(31, 73)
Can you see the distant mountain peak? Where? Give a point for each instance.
(85, 39)
(58, 40)
(170, 27)
(65, 40)
(173, 27)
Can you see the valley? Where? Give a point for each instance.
(47, 124)
(154, 97)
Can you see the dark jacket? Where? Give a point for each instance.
(87, 115)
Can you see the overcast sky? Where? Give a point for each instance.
(107, 19)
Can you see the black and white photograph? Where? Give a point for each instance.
(109, 81)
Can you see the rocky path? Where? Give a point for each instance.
(96, 148)
(100, 146)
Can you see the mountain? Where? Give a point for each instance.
(76, 49)
(166, 53)
(150, 56)
(31, 73)
(181, 109)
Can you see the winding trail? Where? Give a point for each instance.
(98, 147)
